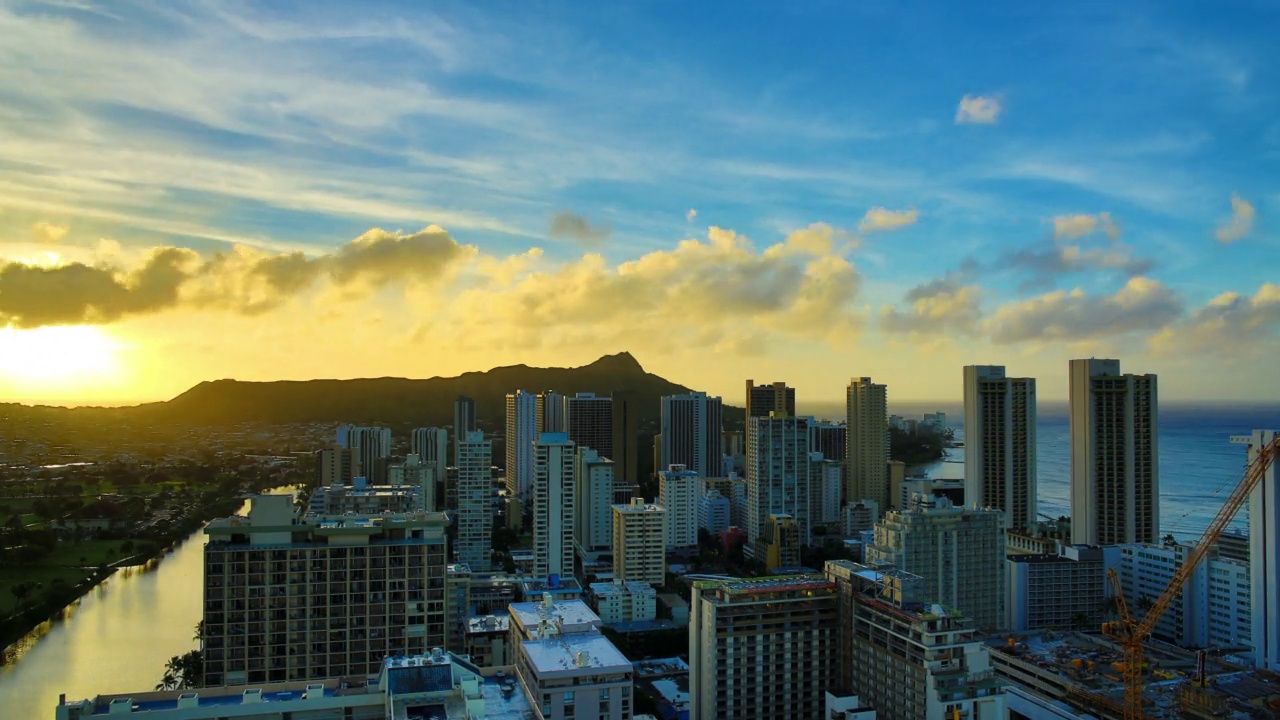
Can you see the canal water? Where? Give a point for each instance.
(115, 639)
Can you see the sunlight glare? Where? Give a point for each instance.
(55, 357)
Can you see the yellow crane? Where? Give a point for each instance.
(1129, 633)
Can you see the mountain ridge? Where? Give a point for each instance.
(399, 400)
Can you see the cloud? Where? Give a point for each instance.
(32, 296)
(690, 215)
(576, 227)
(1240, 223)
(939, 306)
(46, 232)
(979, 110)
(245, 280)
(880, 219)
(1230, 324)
(1099, 250)
(1142, 304)
(1071, 227)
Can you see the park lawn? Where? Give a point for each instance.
(95, 553)
(44, 574)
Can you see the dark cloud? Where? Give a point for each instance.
(31, 296)
(577, 228)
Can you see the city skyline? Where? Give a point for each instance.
(454, 199)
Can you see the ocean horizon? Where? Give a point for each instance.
(1198, 464)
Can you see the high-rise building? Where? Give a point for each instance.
(778, 475)
(1264, 554)
(774, 397)
(782, 546)
(464, 421)
(692, 433)
(733, 489)
(829, 439)
(588, 421)
(824, 489)
(1000, 443)
(867, 456)
(381, 580)
(1115, 474)
(715, 513)
(1213, 609)
(370, 449)
(639, 548)
(593, 529)
(678, 489)
(626, 438)
(431, 445)
(334, 466)
(905, 655)
(475, 502)
(761, 647)
(960, 553)
(522, 431)
(553, 505)
(550, 412)
(419, 475)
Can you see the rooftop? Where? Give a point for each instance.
(766, 584)
(488, 623)
(571, 613)
(575, 651)
(628, 587)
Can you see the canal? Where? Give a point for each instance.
(117, 638)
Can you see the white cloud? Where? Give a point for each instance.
(690, 215)
(1230, 324)
(1070, 227)
(979, 110)
(1142, 304)
(1240, 223)
(880, 219)
(47, 232)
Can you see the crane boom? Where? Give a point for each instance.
(1130, 633)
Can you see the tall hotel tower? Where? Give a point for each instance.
(867, 458)
(1115, 474)
(1000, 443)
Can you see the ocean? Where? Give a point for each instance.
(1198, 464)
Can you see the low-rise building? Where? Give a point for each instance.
(1060, 591)
(782, 542)
(623, 601)
(1214, 607)
(488, 640)
(566, 667)
(438, 685)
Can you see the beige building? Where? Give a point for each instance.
(783, 542)
(639, 546)
(290, 598)
(762, 647)
(959, 553)
(867, 457)
(1000, 443)
(1115, 474)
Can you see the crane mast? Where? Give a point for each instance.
(1129, 633)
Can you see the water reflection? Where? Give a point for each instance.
(117, 638)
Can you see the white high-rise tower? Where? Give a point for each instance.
(522, 430)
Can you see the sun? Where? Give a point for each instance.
(57, 360)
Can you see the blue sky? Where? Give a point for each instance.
(1006, 183)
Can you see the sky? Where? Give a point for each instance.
(780, 191)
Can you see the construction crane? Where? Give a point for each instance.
(1129, 633)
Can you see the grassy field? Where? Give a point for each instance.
(43, 574)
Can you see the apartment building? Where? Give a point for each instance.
(678, 493)
(639, 544)
(290, 598)
(761, 647)
(1000, 443)
(1065, 590)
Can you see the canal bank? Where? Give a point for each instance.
(116, 638)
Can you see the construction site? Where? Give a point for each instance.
(1086, 672)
